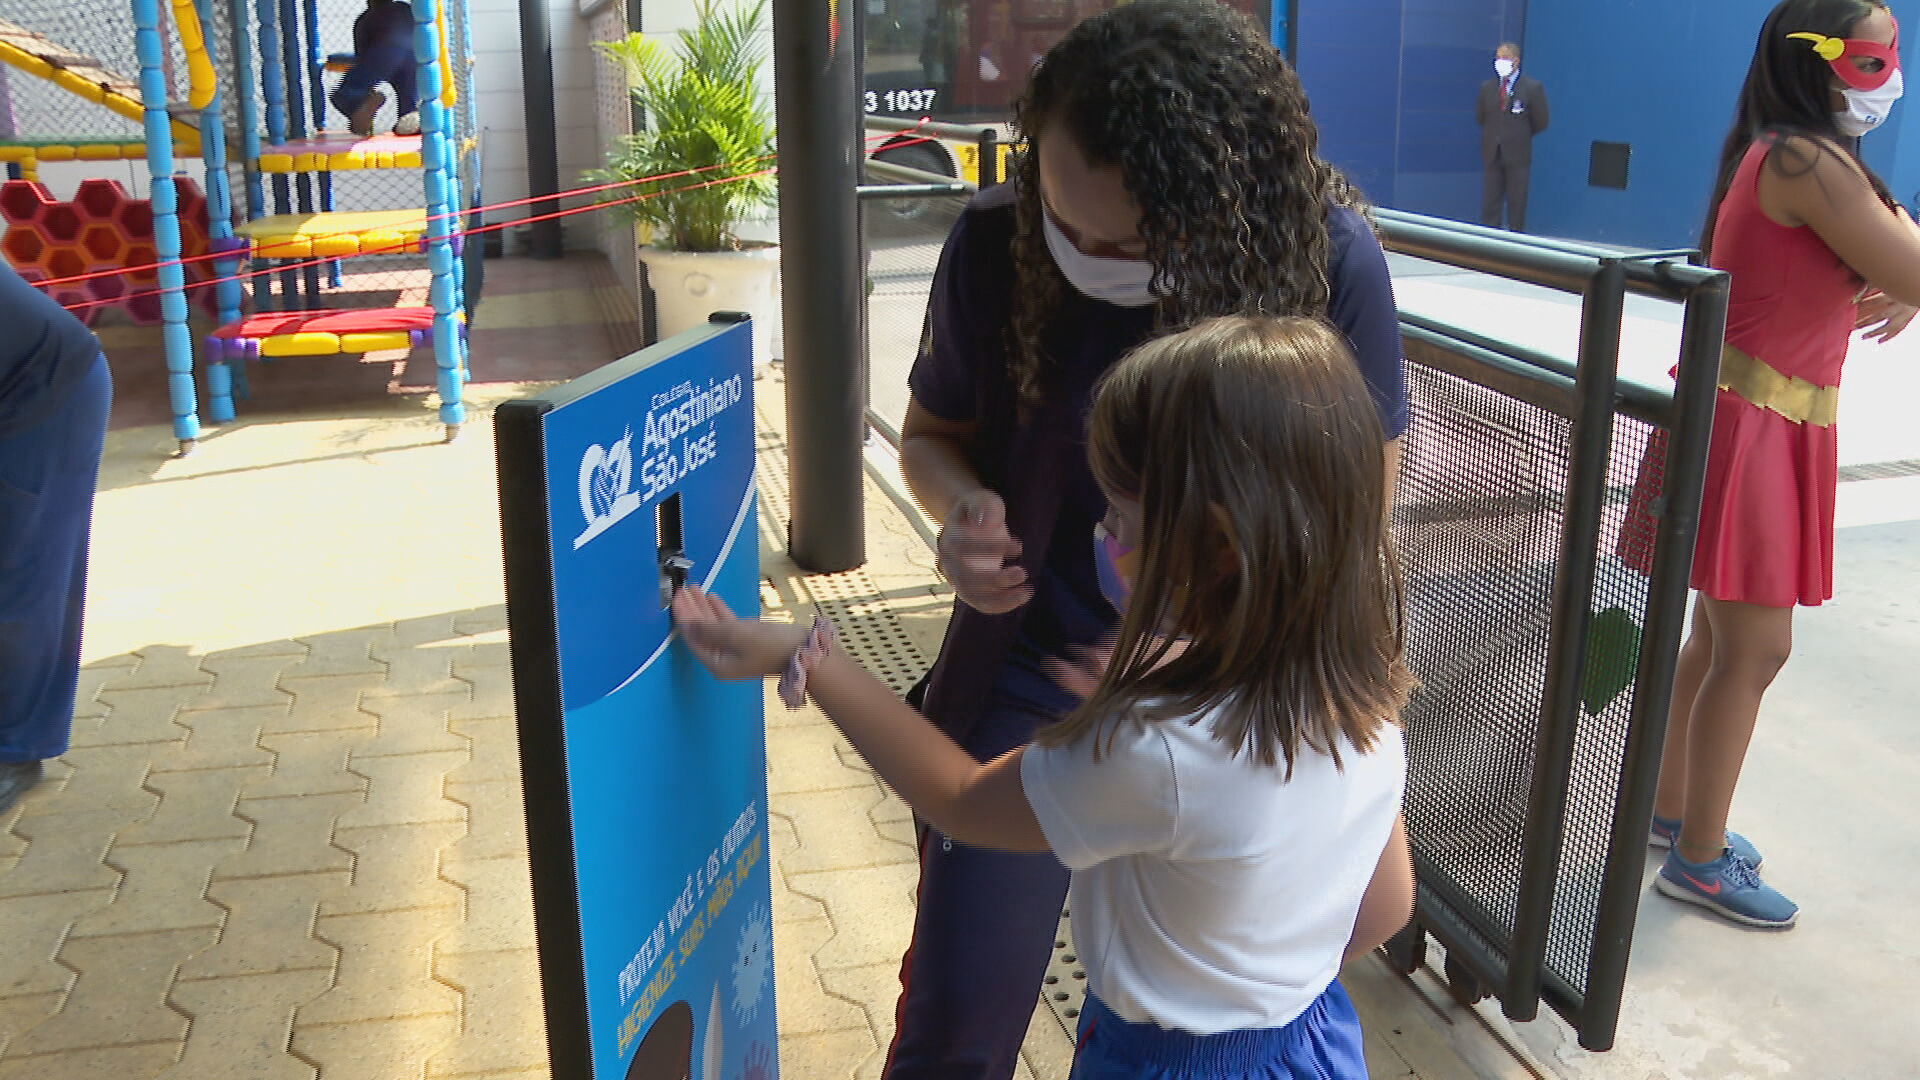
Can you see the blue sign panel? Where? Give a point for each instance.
(645, 778)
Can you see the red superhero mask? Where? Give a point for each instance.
(1839, 54)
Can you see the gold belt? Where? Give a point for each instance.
(1789, 395)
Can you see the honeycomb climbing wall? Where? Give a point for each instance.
(102, 229)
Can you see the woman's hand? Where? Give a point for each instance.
(731, 647)
(1882, 317)
(977, 553)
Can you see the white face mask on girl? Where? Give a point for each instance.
(1868, 109)
(1125, 282)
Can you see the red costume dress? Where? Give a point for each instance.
(1766, 514)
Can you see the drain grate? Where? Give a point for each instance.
(869, 630)
(1884, 470)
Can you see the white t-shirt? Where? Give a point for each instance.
(1211, 893)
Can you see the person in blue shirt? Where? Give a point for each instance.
(1170, 176)
(55, 393)
(382, 53)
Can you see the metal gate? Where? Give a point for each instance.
(1546, 515)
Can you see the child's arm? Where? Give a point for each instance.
(1388, 902)
(980, 805)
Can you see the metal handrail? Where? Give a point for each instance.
(937, 129)
(907, 174)
(1669, 275)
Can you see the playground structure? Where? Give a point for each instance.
(300, 239)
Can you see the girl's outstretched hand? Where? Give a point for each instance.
(729, 646)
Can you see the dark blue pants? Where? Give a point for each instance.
(1323, 1043)
(981, 939)
(390, 64)
(47, 477)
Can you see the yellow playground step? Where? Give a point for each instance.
(336, 151)
(85, 77)
(340, 232)
(341, 152)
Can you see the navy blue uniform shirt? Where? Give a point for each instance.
(961, 375)
(44, 351)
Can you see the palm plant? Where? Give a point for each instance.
(709, 133)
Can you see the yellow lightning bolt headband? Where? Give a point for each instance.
(1826, 48)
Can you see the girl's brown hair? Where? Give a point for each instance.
(1266, 588)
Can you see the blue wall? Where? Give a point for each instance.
(1662, 77)
(1393, 84)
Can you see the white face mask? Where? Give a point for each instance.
(1868, 109)
(1125, 282)
(1503, 67)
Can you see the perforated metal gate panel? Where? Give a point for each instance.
(1619, 607)
(1479, 520)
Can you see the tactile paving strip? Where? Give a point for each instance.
(869, 629)
(1065, 987)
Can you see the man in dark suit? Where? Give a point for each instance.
(1511, 111)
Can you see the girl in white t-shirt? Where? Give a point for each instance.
(1227, 797)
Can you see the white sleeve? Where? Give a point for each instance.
(1127, 803)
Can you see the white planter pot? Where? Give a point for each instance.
(689, 286)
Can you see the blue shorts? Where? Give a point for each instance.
(1323, 1043)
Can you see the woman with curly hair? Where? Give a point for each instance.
(1170, 176)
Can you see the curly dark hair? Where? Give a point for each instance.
(1210, 129)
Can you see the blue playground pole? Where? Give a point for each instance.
(297, 127)
(316, 57)
(316, 61)
(452, 168)
(436, 153)
(222, 378)
(247, 87)
(166, 224)
(273, 87)
(474, 162)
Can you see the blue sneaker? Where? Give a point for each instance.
(1665, 833)
(1729, 886)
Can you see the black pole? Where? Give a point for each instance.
(1601, 313)
(543, 145)
(1703, 333)
(815, 102)
(988, 142)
